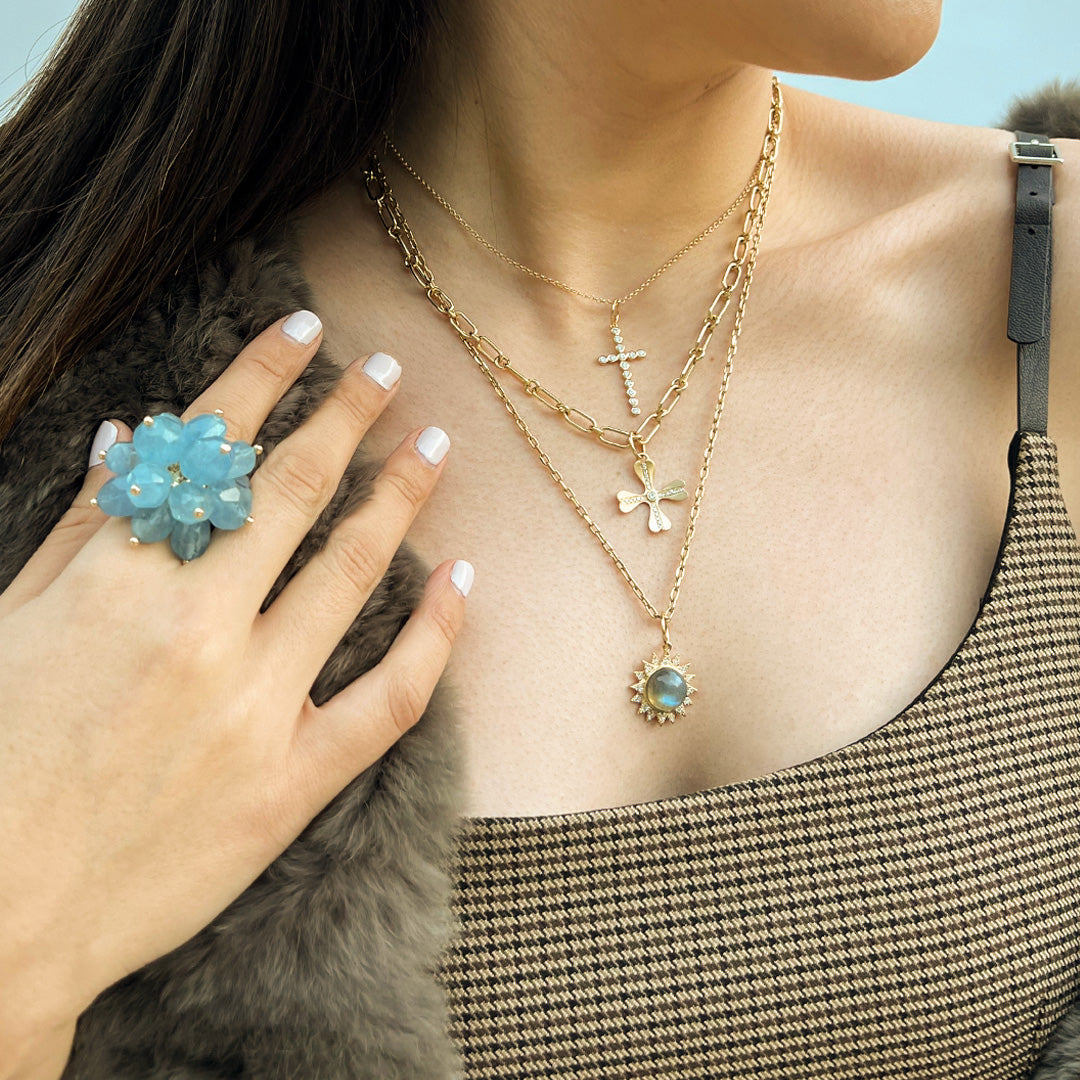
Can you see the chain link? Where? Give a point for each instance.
(487, 355)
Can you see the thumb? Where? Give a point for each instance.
(83, 510)
(79, 522)
(109, 432)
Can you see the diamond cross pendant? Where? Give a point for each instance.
(651, 496)
(621, 357)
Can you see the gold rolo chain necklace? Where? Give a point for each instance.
(621, 356)
(661, 688)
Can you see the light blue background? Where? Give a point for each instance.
(987, 51)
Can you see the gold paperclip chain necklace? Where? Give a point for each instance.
(662, 689)
(621, 356)
(637, 440)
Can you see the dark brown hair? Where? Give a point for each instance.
(158, 131)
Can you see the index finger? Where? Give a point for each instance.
(248, 389)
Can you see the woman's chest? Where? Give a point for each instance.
(847, 528)
(844, 535)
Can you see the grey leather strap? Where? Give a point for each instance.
(1029, 290)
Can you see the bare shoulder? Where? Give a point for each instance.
(1064, 407)
(937, 201)
(980, 184)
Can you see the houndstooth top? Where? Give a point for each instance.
(905, 906)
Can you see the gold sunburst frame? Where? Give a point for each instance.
(646, 700)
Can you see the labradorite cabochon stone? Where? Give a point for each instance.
(665, 690)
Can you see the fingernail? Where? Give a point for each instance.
(461, 576)
(432, 444)
(302, 326)
(105, 437)
(383, 369)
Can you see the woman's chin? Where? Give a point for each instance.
(845, 39)
(893, 46)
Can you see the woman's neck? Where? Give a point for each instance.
(583, 147)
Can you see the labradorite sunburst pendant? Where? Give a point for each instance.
(662, 688)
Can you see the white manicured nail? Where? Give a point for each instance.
(383, 369)
(303, 327)
(105, 437)
(461, 576)
(432, 444)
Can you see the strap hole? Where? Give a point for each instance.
(1031, 231)
(1034, 193)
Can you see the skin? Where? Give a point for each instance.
(859, 486)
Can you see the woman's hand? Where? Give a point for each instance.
(159, 745)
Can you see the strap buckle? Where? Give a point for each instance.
(1035, 152)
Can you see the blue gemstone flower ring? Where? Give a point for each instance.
(176, 479)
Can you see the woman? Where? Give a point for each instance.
(742, 869)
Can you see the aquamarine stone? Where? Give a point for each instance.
(161, 441)
(113, 497)
(665, 689)
(153, 481)
(204, 426)
(186, 498)
(179, 468)
(152, 523)
(243, 459)
(121, 457)
(203, 462)
(190, 541)
(230, 504)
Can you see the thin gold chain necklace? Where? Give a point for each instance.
(605, 300)
(621, 355)
(662, 687)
